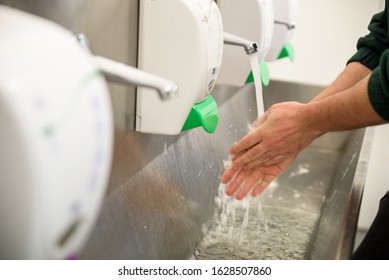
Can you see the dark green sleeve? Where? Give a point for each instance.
(373, 52)
(371, 47)
(378, 87)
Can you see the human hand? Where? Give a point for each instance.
(268, 149)
(281, 133)
(255, 179)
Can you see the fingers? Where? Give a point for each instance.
(258, 153)
(264, 160)
(249, 184)
(251, 146)
(255, 180)
(248, 141)
(261, 186)
(237, 182)
(249, 180)
(229, 174)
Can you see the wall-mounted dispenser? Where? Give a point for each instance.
(253, 20)
(285, 18)
(56, 140)
(181, 40)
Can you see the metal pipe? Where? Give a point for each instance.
(249, 46)
(289, 24)
(122, 73)
(119, 72)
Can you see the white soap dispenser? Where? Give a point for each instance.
(285, 21)
(56, 139)
(181, 40)
(252, 20)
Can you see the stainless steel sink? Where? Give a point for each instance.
(310, 211)
(165, 201)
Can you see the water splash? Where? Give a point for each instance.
(234, 225)
(249, 229)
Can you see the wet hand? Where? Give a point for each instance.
(254, 180)
(283, 131)
(268, 149)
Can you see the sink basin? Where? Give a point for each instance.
(165, 201)
(310, 211)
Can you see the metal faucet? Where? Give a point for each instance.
(289, 24)
(250, 47)
(122, 73)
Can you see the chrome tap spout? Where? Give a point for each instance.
(289, 24)
(249, 46)
(122, 73)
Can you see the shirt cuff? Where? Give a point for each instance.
(377, 97)
(367, 57)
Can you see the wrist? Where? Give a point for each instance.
(316, 123)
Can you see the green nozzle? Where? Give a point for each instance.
(205, 114)
(264, 70)
(287, 51)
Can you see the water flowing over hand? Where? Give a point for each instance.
(255, 180)
(268, 149)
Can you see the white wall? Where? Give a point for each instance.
(325, 39)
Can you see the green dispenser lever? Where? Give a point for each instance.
(287, 51)
(205, 114)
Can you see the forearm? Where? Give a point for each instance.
(348, 109)
(351, 75)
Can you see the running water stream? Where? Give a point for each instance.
(238, 222)
(257, 82)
